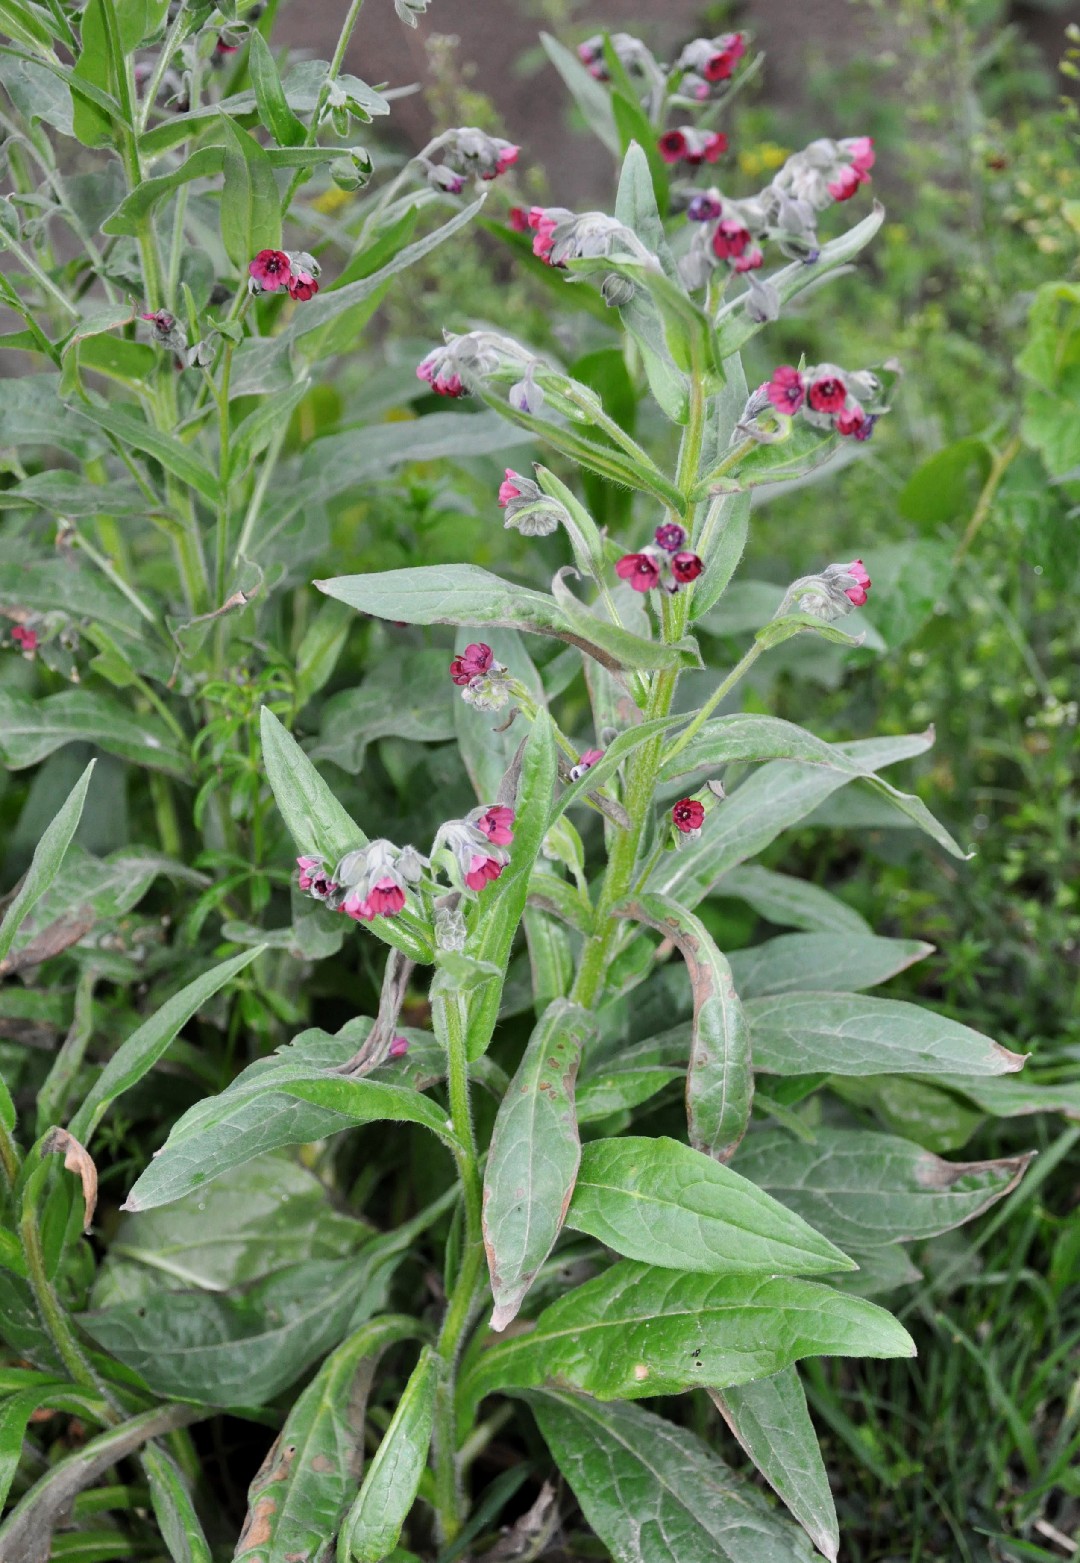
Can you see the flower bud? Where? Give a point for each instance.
(617, 291)
(450, 930)
(410, 10)
(528, 508)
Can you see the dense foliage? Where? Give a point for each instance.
(446, 1107)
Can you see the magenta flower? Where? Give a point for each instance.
(672, 146)
(719, 66)
(314, 879)
(271, 269)
(398, 1048)
(686, 567)
(857, 172)
(384, 899)
(641, 570)
(518, 220)
(785, 389)
(543, 221)
(302, 286)
(671, 536)
(472, 858)
(375, 878)
(751, 260)
(510, 488)
(482, 871)
(688, 816)
(730, 239)
(859, 591)
(26, 639)
(439, 371)
(585, 763)
(850, 420)
(508, 156)
(827, 394)
(496, 821)
(474, 661)
(691, 146)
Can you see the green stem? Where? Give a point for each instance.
(52, 1312)
(725, 687)
(221, 562)
(998, 468)
(173, 39)
(462, 1300)
(262, 482)
(9, 1154)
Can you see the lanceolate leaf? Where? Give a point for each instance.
(174, 1511)
(654, 1493)
(751, 737)
(663, 1203)
(373, 1524)
(296, 1502)
(719, 1080)
(250, 204)
(46, 863)
(637, 1331)
(849, 1034)
(288, 1106)
(32, 729)
(833, 962)
(138, 1055)
(466, 594)
(533, 1159)
(793, 903)
(768, 802)
(770, 1420)
(866, 1189)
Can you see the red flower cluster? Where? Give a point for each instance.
(669, 564)
(823, 395)
(691, 146)
(272, 270)
(857, 172)
(474, 661)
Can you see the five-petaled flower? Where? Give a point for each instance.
(314, 878)
(686, 567)
(688, 816)
(375, 878)
(691, 146)
(496, 821)
(827, 394)
(670, 536)
(471, 856)
(642, 571)
(271, 269)
(302, 286)
(731, 239)
(474, 661)
(785, 389)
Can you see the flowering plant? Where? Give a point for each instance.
(670, 1152)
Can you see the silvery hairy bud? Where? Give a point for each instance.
(617, 291)
(449, 926)
(352, 171)
(836, 591)
(409, 10)
(528, 509)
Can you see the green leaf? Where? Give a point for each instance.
(274, 110)
(173, 1509)
(32, 729)
(24, 24)
(533, 1158)
(637, 1331)
(654, 1493)
(254, 433)
(493, 923)
(1008, 1097)
(244, 1347)
(466, 594)
(297, 1500)
(138, 1055)
(668, 1205)
(250, 204)
(734, 326)
(372, 1527)
(92, 73)
(830, 962)
(47, 861)
(412, 697)
(170, 451)
(635, 1075)
(135, 208)
(771, 800)
(796, 450)
(944, 490)
(867, 1189)
(589, 95)
(770, 1420)
(17, 1408)
(850, 1034)
(1051, 363)
(723, 551)
(719, 1079)
(635, 206)
(793, 903)
(292, 1104)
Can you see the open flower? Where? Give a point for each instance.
(706, 62)
(785, 390)
(476, 659)
(642, 571)
(688, 816)
(302, 286)
(469, 855)
(691, 146)
(686, 567)
(270, 270)
(670, 536)
(375, 879)
(827, 394)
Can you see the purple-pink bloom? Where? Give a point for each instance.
(271, 269)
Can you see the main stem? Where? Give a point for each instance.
(645, 761)
(461, 1302)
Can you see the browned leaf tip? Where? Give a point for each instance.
(77, 1159)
